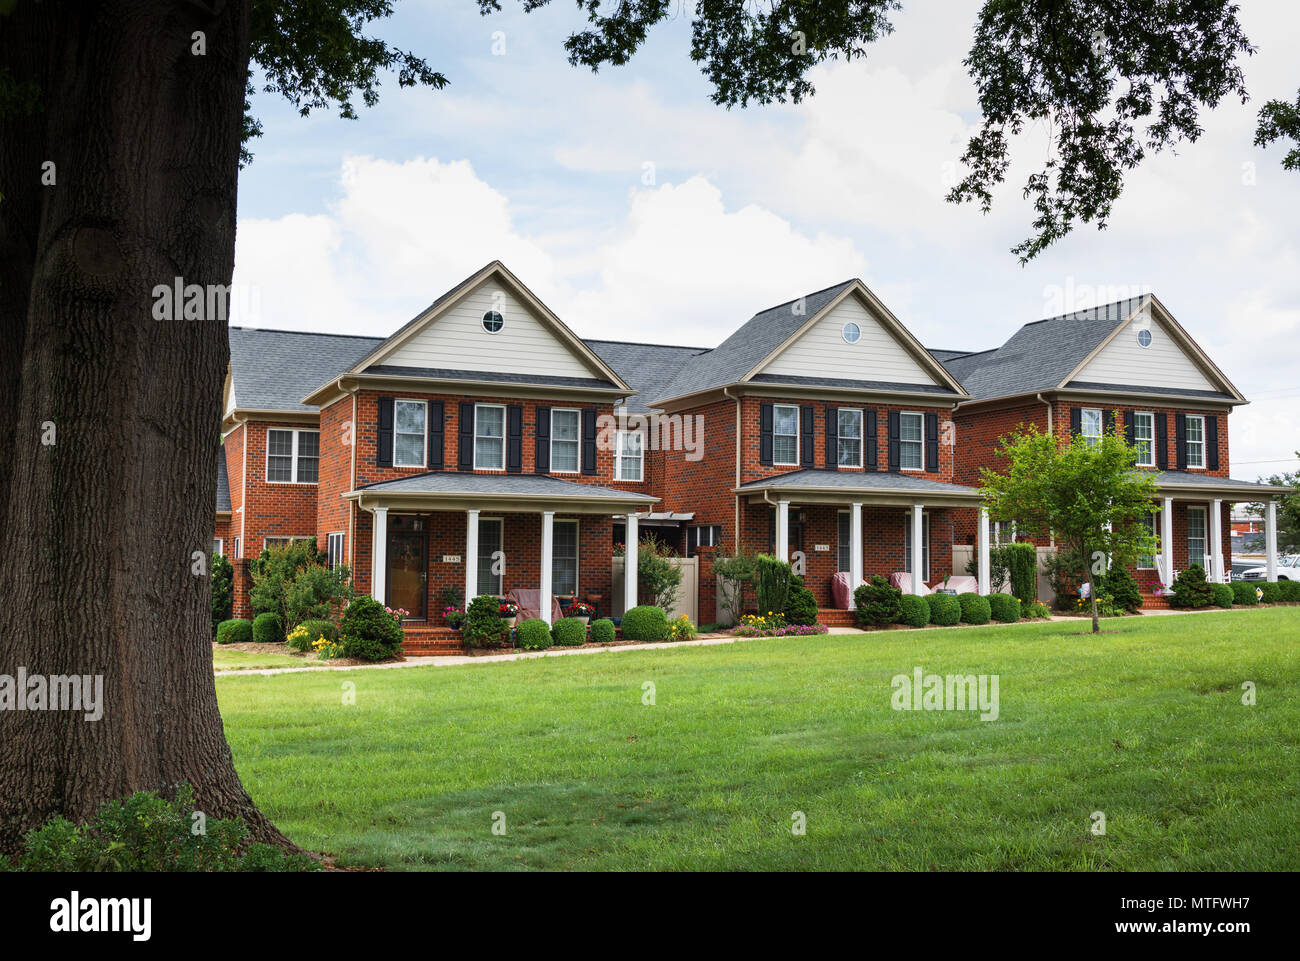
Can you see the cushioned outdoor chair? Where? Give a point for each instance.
(965, 584)
(530, 604)
(903, 581)
(841, 593)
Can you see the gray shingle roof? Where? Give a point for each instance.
(275, 369)
(743, 350)
(1182, 478)
(493, 376)
(1140, 388)
(647, 368)
(539, 485)
(223, 482)
(814, 479)
(797, 381)
(1040, 355)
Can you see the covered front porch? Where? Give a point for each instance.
(424, 539)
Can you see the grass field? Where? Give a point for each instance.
(231, 659)
(1145, 724)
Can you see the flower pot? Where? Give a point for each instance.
(583, 619)
(510, 622)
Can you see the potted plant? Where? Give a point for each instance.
(945, 589)
(580, 611)
(509, 612)
(453, 617)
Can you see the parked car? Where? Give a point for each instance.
(1288, 569)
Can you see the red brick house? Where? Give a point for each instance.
(485, 448)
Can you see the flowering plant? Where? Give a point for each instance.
(327, 650)
(619, 549)
(785, 630)
(758, 622)
(453, 616)
(681, 629)
(579, 609)
(398, 613)
(508, 609)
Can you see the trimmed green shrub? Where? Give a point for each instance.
(801, 604)
(1290, 591)
(1004, 608)
(237, 630)
(1022, 568)
(1123, 589)
(771, 585)
(1243, 593)
(1191, 590)
(1222, 595)
(569, 632)
(974, 608)
(533, 634)
(268, 628)
(223, 591)
(945, 610)
(602, 631)
(1035, 610)
(368, 632)
(877, 603)
(1272, 592)
(658, 575)
(645, 623)
(913, 610)
(483, 626)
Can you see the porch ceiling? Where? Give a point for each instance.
(815, 486)
(531, 493)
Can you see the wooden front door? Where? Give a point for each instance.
(408, 569)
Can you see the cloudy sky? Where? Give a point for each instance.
(638, 210)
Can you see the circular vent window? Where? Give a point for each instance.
(852, 333)
(493, 322)
(1144, 338)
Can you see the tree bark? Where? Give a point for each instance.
(101, 528)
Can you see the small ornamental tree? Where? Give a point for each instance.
(658, 575)
(1087, 493)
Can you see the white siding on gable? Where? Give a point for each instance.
(1125, 361)
(456, 340)
(877, 356)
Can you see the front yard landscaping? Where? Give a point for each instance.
(1144, 723)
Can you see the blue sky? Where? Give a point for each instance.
(638, 210)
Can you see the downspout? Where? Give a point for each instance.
(726, 392)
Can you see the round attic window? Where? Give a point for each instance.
(1144, 338)
(493, 322)
(852, 333)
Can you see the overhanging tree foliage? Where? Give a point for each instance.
(1088, 494)
(1288, 509)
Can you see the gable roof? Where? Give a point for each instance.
(223, 483)
(274, 369)
(648, 368)
(738, 358)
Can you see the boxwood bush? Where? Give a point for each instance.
(800, 604)
(645, 623)
(533, 634)
(877, 603)
(602, 631)
(945, 610)
(368, 632)
(974, 608)
(569, 632)
(914, 610)
(268, 628)
(237, 630)
(1191, 589)
(1004, 608)
(1272, 592)
(1290, 591)
(1222, 595)
(1123, 588)
(1243, 593)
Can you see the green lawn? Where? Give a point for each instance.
(1145, 725)
(229, 659)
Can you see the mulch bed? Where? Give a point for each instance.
(309, 658)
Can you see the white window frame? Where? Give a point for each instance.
(1093, 439)
(333, 559)
(424, 434)
(1200, 444)
(925, 542)
(477, 436)
(1205, 534)
(1153, 522)
(620, 458)
(844, 544)
(577, 557)
(1150, 460)
(293, 456)
(999, 528)
(861, 438)
(239, 547)
(291, 539)
(798, 426)
(218, 547)
(500, 578)
(577, 440)
(920, 443)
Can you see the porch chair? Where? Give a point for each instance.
(965, 584)
(841, 592)
(903, 581)
(530, 604)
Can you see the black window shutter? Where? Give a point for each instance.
(894, 459)
(832, 438)
(542, 446)
(931, 442)
(1180, 440)
(384, 440)
(1076, 421)
(808, 436)
(1162, 441)
(1130, 427)
(765, 434)
(465, 437)
(589, 440)
(437, 414)
(515, 438)
(1212, 441)
(870, 453)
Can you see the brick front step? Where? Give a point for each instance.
(427, 641)
(1150, 602)
(834, 617)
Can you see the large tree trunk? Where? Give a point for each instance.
(98, 575)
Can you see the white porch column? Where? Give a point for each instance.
(1270, 541)
(855, 546)
(471, 556)
(1167, 541)
(783, 530)
(918, 570)
(1216, 542)
(379, 555)
(631, 554)
(548, 533)
(983, 547)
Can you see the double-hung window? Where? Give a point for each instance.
(629, 448)
(489, 437)
(1195, 443)
(218, 547)
(911, 442)
(1147, 562)
(292, 456)
(564, 440)
(848, 444)
(1144, 438)
(785, 435)
(490, 571)
(335, 549)
(1090, 427)
(409, 431)
(844, 541)
(1196, 539)
(564, 558)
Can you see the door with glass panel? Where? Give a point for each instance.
(407, 572)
